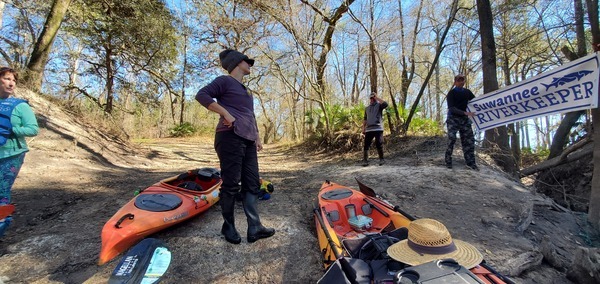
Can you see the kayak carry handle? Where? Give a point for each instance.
(126, 216)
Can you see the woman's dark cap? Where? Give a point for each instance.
(231, 58)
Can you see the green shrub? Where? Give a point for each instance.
(183, 130)
(341, 119)
(425, 126)
(530, 157)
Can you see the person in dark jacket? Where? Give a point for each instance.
(373, 127)
(458, 121)
(236, 143)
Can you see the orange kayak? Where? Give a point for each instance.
(164, 204)
(355, 228)
(336, 205)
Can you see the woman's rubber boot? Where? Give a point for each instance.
(228, 230)
(256, 230)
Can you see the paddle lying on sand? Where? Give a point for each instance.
(145, 263)
(6, 210)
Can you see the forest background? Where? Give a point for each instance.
(133, 67)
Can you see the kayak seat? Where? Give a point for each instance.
(371, 246)
(158, 202)
(190, 185)
(208, 174)
(202, 175)
(400, 233)
(376, 247)
(353, 246)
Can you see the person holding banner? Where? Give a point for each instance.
(458, 121)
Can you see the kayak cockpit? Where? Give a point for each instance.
(352, 215)
(199, 180)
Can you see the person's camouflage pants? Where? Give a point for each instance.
(462, 125)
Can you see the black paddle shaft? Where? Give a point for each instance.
(334, 248)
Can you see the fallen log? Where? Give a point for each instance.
(570, 154)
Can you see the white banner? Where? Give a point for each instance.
(570, 87)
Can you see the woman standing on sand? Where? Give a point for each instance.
(236, 143)
(17, 121)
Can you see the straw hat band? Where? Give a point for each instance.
(431, 250)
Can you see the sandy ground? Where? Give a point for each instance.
(75, 178)
(64, 196)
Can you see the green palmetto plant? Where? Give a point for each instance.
(183, 130)
(342, 118)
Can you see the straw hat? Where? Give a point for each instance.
(429, 240)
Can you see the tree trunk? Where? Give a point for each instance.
(373, 67)
(514, 143)
(579, 29)
(43, 46)
(594, 211)
(373, 53)
(497, 137)
(322, 61)
(437, 89)
(527, 138)
(407, 67)
(561, 135)
(438, 52)
(513, 128)
(183, 79)
(110, 78)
